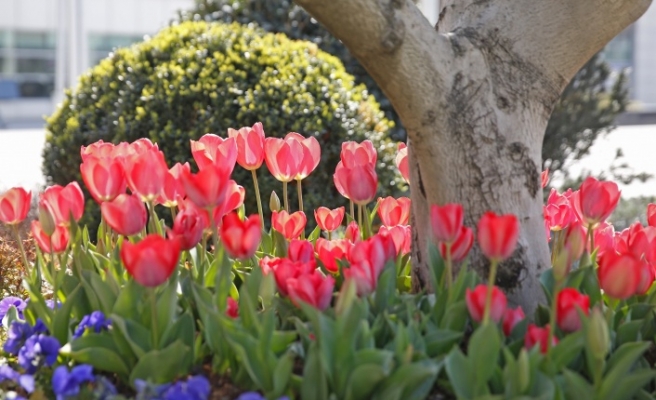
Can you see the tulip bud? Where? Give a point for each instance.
(561, 265)
(274, 202)
(597, 336)
(46, 219)
(524, 370)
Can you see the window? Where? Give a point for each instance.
(101, 45)
(27, 61)
(34, 40)
(4, 38)
(45, 65)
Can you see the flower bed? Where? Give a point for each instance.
(214, 305)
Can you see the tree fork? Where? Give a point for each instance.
(475, 93)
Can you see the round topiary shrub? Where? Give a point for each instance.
(196, 78)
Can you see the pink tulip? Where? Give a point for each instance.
(58, 240)
(188, 227)
(329, 251)
(207, 189)
(285, 269)
(241, 238)
(15, 205)
(313, 289)
(358, 183)
(152, 260)
(619, 274)
(65, 202)
(354, 154)
(367, 259)
(401, 236)
(214, 150)
(126, 214)
(289, 225)
(104, 177)
(538, 336)
(352, 232)
(596, 200)
(568, 304)
(461, 246)
(475, 300)
(250, 146)
(393, 211)
(300, 250)
(146, 173)
(291, 158)
(173, 189)
(327, 219)
(402, 162)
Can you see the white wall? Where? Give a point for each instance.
(645, 60)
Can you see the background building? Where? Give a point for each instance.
(633, 50)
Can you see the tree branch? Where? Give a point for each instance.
(394, 42)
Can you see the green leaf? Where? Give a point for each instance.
(590, 286)
(62, 317)
(282, 374)
(162, 366)
(461, 377)
(97, 350)
(183, 329)
(629, 332)
(128, 303)
(629, 385)
(548, 283)
(410, 381)
(385, 293)
(314, 385)
(137, 336)
(314, 235)
(441, 341)
(167, 304)
(483, 354)
(437, 266)
(455, 317)
(363, 380)
(106, 296)
(567, 350)
(619, 365)
(576, 387)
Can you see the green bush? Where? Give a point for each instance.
(200, 77)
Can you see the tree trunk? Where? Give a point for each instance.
(475, 94)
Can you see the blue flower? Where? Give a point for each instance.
(256, 396)
(65, 383)
(17, 334)
(195, 388)
(37, 350)
(104, 390)
(12, 301)
(51, 304)
(95, 322)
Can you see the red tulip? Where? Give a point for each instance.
(313, 289)
(329, 251)
(393, 211)
(544, 178)
(234, 199)
(596, 200)
(651, 214)
(58, 240)
(461, 246)
(389, 245)
(250, 146)
(232, 309)
(575, 240)
(402, 162)
(475, 300)
(646, 278)
(104, 177)
(285, 269)
(146, 173)
(568, 302)
(536, 335)
(497, 235)
(126, 214)
(358, 183)
(187, 204)
(207, 189)
(619, 274)
(98, 149)
(151, 261)
(291, 158)
(241, 238)
(604, 239)
(214, 150)
(15, 205)
(327, 219)
(367, 259)
(446, 222)
(173, 189)
(352, 232)
(289, 225)
(558, 211)
(188, 228)
(511, 317)
(354, 153)
(269, 264)
(65, 202)
(401, 236)
(300, 250)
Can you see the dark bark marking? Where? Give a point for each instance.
(510, 273)
(440, 17)
(525, 166)
(395, 30)
(420, 180)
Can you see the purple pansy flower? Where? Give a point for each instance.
(18, 334)
(95, 322)
(38, 349)
(10, 301)
(65, 383)
(195, 388)
(25, 381)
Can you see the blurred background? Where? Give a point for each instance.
(45, 45)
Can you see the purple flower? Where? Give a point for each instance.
(18, 334)
(95, 322)
(37, 350)
(195, 388)
(51, 303)
(65, 383)
(256, 396)
(25, 381)
(12, 301)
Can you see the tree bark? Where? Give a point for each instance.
(475, 93)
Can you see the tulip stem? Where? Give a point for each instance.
(360, 215)
(54, 271)
(173, 214)
(258, 197)
(330, 234)
(352, 210)
(488, 295)
(153, 313)
(154, 223)
(284, 196)
(449, 266)
(26, 265)
(553, 316)
(299, 191)
(215, 239)
(591, 238)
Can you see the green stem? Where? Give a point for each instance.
(299, 191)
(591, 238)
(153, 223)
(26, 264)
(200, 265)
(215, 238)
(258, 197)
(449, 266)
(53, 273)
(330, 234)
(174, 213)
(360, 215)
(284, 196)
(490, 286)
(153, 313)
(352, 210)
(553, 316)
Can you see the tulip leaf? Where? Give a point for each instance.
(166, 305)
(619, 365)
(567, 350)
(459, 371)
(386, 289)
(314, 385)
(137, 336)
(410, 381)
(455, 317)
(183, 329)
(62, 318)
(441, 341)
(590, 286)
(162, 366)
(576, 387)
(437, 267)
(101, 359)
(106, 296)
(629, 332)
(628, 385)
(282, 374)
(314, 235)
(548, 283)
(363, 380)
(128, 299)
(280, 243)
(483, 353)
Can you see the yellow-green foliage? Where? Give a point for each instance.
(199, 77)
